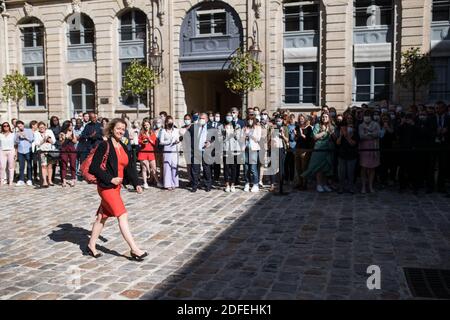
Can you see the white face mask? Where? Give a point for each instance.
(202, 122)
(264, 117)
(235, 116)
(217, 118)
(187, 122)
(258, 117)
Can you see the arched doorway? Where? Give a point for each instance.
(210, 34)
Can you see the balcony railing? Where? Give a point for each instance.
(33, 55)
(81, 52)
(133, 49)
(372, 35)
(301, 39)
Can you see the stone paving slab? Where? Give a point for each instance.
(219, 245)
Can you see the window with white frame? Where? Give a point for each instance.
(372, 82)
(81, 30)
(373, 12)
(301, 17)
(133, 25)
(211, 22)
(35, 74)
(32, 37)
(439, 88)
(441, 10)
(300, 83)
(82, 96)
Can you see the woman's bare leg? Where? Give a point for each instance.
(153, 171)
(50, 173)
(144, 171)
(125, 230)
(96, 230)
(44, 176)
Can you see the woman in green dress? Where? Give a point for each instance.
(321, 163)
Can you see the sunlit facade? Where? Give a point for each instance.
(339, 52)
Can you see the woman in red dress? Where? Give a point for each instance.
(147, 142)
(117, 170)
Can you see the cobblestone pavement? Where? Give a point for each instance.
(219, 245)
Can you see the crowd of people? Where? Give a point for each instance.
(361, 149)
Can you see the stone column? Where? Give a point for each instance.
(337, 53)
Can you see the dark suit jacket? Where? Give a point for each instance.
(104, 177)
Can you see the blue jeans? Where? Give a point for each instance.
(251, 167)
(25, 157)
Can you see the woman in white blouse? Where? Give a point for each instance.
(251, 136)
(7, 153)
(170, 138)
(45, 140)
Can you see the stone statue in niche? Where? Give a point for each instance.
(374, 18)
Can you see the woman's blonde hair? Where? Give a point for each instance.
(108, 131)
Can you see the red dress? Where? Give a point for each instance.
(149, 146)
(112, 204)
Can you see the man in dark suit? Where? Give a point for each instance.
(91, 136)
(200, 143)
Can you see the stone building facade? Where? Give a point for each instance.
(334, 52)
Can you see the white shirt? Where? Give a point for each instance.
(170, 138)
(39, 137)
(7, 142)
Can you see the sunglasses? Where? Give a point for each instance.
(5, 126)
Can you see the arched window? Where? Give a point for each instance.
(82, 96)
(132, 46)
(33, 59)
(81, 29)
(80, 38)
(133, 25)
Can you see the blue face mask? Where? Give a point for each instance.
(195, 117)
(229, 118)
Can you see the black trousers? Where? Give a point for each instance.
(207, 175)
(289, 168)
(216, 171)
(230, 169)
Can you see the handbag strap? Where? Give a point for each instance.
(105, 156)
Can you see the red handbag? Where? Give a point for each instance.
(86, 164)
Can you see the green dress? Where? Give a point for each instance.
(320, 161)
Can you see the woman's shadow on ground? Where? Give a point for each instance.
(80, 237)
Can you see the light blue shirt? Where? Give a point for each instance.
(24, 143)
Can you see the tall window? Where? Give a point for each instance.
(372, 82)
(441, 10)
(81, 30)
(301, 17)
(372, 12)
(129, 100)
(33, 68)
(211, 22)
(439, 88)
(82, 96)
(133, 26)
(300, 83)
(133, 35)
